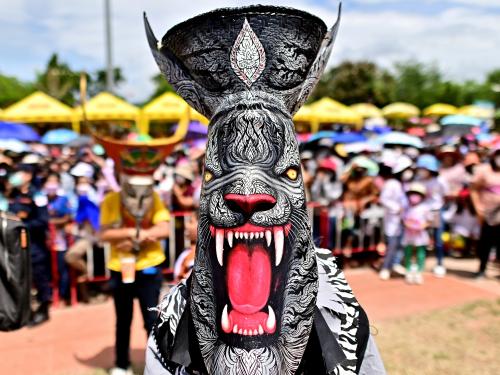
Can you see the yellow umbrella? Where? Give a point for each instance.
(327, 104)
(41, 108)
(400, 111)
(476, 111)
(327, 110)
(367, 110)
(440, 109)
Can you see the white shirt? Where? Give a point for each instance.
(393, 199)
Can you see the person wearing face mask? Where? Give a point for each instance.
(436, 191)
(471, 160)
(59, 217)
(30, 205)
(452, 171)
(359, 191)
(394, 201)
(416, 239)
(182, 199)
(485, 195)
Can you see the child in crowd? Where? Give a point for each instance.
(416, 239)
(394, 201)
(436, 191)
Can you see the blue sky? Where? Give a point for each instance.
(462, 37)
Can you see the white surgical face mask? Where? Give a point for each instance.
(407, 175)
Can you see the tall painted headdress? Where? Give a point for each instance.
(252, 295)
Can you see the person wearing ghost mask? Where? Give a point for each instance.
(261, 299)
(134, 221)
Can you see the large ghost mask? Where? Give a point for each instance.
(254, 283)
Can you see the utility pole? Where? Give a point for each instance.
(109, 50)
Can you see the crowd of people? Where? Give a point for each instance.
(442, 198)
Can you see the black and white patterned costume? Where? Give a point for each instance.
(261, 299)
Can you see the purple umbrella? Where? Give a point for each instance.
(21, 132)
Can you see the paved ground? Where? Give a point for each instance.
(79, 340)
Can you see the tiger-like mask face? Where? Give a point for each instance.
(255, 280)
(255, 276)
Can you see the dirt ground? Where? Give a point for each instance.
(462, 340)
(448, 326)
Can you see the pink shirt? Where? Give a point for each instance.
(487, 182)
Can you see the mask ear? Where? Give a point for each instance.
(319, 64)
(176, 74)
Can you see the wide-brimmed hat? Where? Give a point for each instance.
(417, 187)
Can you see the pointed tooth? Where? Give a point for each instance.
(269, 237)
(261, 330)
(252, 235)
(279, 242)
(240, 331)
(230, 238)
(245, 235)
(219, 245)
(237, 234)
(255, 333)
(261, 234)
(245, 332)
(224, 321)
(235, 328)
(271, 321)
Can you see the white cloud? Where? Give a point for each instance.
(462, 39)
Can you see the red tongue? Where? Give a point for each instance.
(248, 277)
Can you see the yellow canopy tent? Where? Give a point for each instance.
(168, 107)
(440, 109)
(400, 111)
(303, 119)
(41, 108)
(197, 116)
(367, 110)
(476, 111)
(327, 110)
(107, 107)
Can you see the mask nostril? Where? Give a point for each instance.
(248, 204)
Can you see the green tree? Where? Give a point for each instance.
(161, 86)
(417, 83)
(13, 90)
(97, 81)
(355, 82)
(58, 80)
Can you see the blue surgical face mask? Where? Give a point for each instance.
(16, 179)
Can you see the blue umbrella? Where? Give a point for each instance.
(59, 137)
(399, 138)
(461, 120)
(349, 137)
(322, 134)
(21, 132)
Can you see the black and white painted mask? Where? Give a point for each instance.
(254, 283)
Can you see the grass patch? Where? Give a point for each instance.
(462, 340)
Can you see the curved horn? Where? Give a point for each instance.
(175, 73)
(319, 64)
